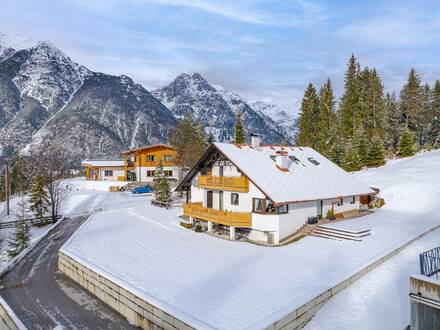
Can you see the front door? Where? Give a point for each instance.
(209, 199)
(319, 207)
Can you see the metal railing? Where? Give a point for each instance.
(31, 221)
(430, 262)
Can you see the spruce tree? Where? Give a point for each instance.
(434, 125)
(307, 120)
(21, 236)
(161, 186)
(394, 122)
(361, 143)
(376, 153)
(2, 187)
(406, 143)
(411, 100)
(350, 106)
(38, 198)
(19, 182)
(352, 161)
(211, 138)
(240, 136)
(326, 120)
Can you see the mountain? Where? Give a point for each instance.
(278, 114)
(215, 108)
(45, 95)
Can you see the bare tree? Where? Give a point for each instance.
(51, 162)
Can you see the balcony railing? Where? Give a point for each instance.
(228, 218)
(240, 184)
(430, 262)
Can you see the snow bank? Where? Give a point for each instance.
(234, 285)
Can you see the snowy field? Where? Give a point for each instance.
(212, 283)
(82, 197)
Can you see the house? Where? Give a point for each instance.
(99, 169)
(140, 163)
(266, 192)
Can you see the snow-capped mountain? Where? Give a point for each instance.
(215, 108)
(45, 95)
(278, 114)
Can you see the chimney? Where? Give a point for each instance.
(255, 141)
(281, 159)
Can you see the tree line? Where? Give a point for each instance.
(367, 125)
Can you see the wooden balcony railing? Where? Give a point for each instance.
(240, 184)
(228, 218)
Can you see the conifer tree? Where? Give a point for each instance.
(21, 236)
(211, 138)
(189, 140)
(434, 127)
(240, 136)
(361, 143)
(161, 186)
(406, 143)
(411, 101)
(326, 120)
(2, 187)
(38, 198)
(352, 161)
(376, 154)
(350, 106)
(19, 183)
(394, 122)
(307, 119)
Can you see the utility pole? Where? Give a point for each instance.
(7, 186)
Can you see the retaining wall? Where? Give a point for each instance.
(137, 311)
(8, 319)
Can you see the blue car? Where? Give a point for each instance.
(142, 190)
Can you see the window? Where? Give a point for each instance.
(168, 158)
(353, 200)
(294, 159)
(150, 158)
(108, 173)
(263, 206)
(168, 173)
(283, 208)
(313, 161)
(234, 199)
(150, 173)
(340, 202)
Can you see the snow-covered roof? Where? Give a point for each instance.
(309, 176)
(102, 163)
(126, 152)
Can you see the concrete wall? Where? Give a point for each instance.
(8, 319)
(425, 302)
(116, 172)
(141, 172)
(136, 310)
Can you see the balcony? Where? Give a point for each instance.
(239, 184)
(228, 218)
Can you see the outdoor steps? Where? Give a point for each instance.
(340, 234)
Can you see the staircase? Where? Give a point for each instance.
(339, 234)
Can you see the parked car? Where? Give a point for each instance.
(142, 190)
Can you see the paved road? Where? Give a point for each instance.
(44, 298)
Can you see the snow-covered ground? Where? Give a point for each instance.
(212, 283)
(83, 196)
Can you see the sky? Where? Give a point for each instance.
(262, 50)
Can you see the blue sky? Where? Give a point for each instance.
(259, 49)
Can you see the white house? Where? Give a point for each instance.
(267, 192)
(107, 170)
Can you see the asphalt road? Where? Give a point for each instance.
(44, 298)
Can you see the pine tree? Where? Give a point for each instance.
(352, 161)
(406, 143)
(19, 183)
(424, 118)
(350, 106)
(394, 122)
(307, 119)
(21, 236)
(326, 120)
(376, 153)
(211, 138)
(240, 136)
(38, 198)
(434, 118)
(361, 143)
(411, 101)
(161, 186)
(2, 187)
(189, 140)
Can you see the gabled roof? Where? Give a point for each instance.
(102, 163)
(309, 176)
(126, 152)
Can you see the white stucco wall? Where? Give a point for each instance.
(141, 173)
(116, 172)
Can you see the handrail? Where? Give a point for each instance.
(31, 221)
(240, 184)
(430, 262)
(229, 218)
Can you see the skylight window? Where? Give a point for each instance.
(294, 159)
(313, 161)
